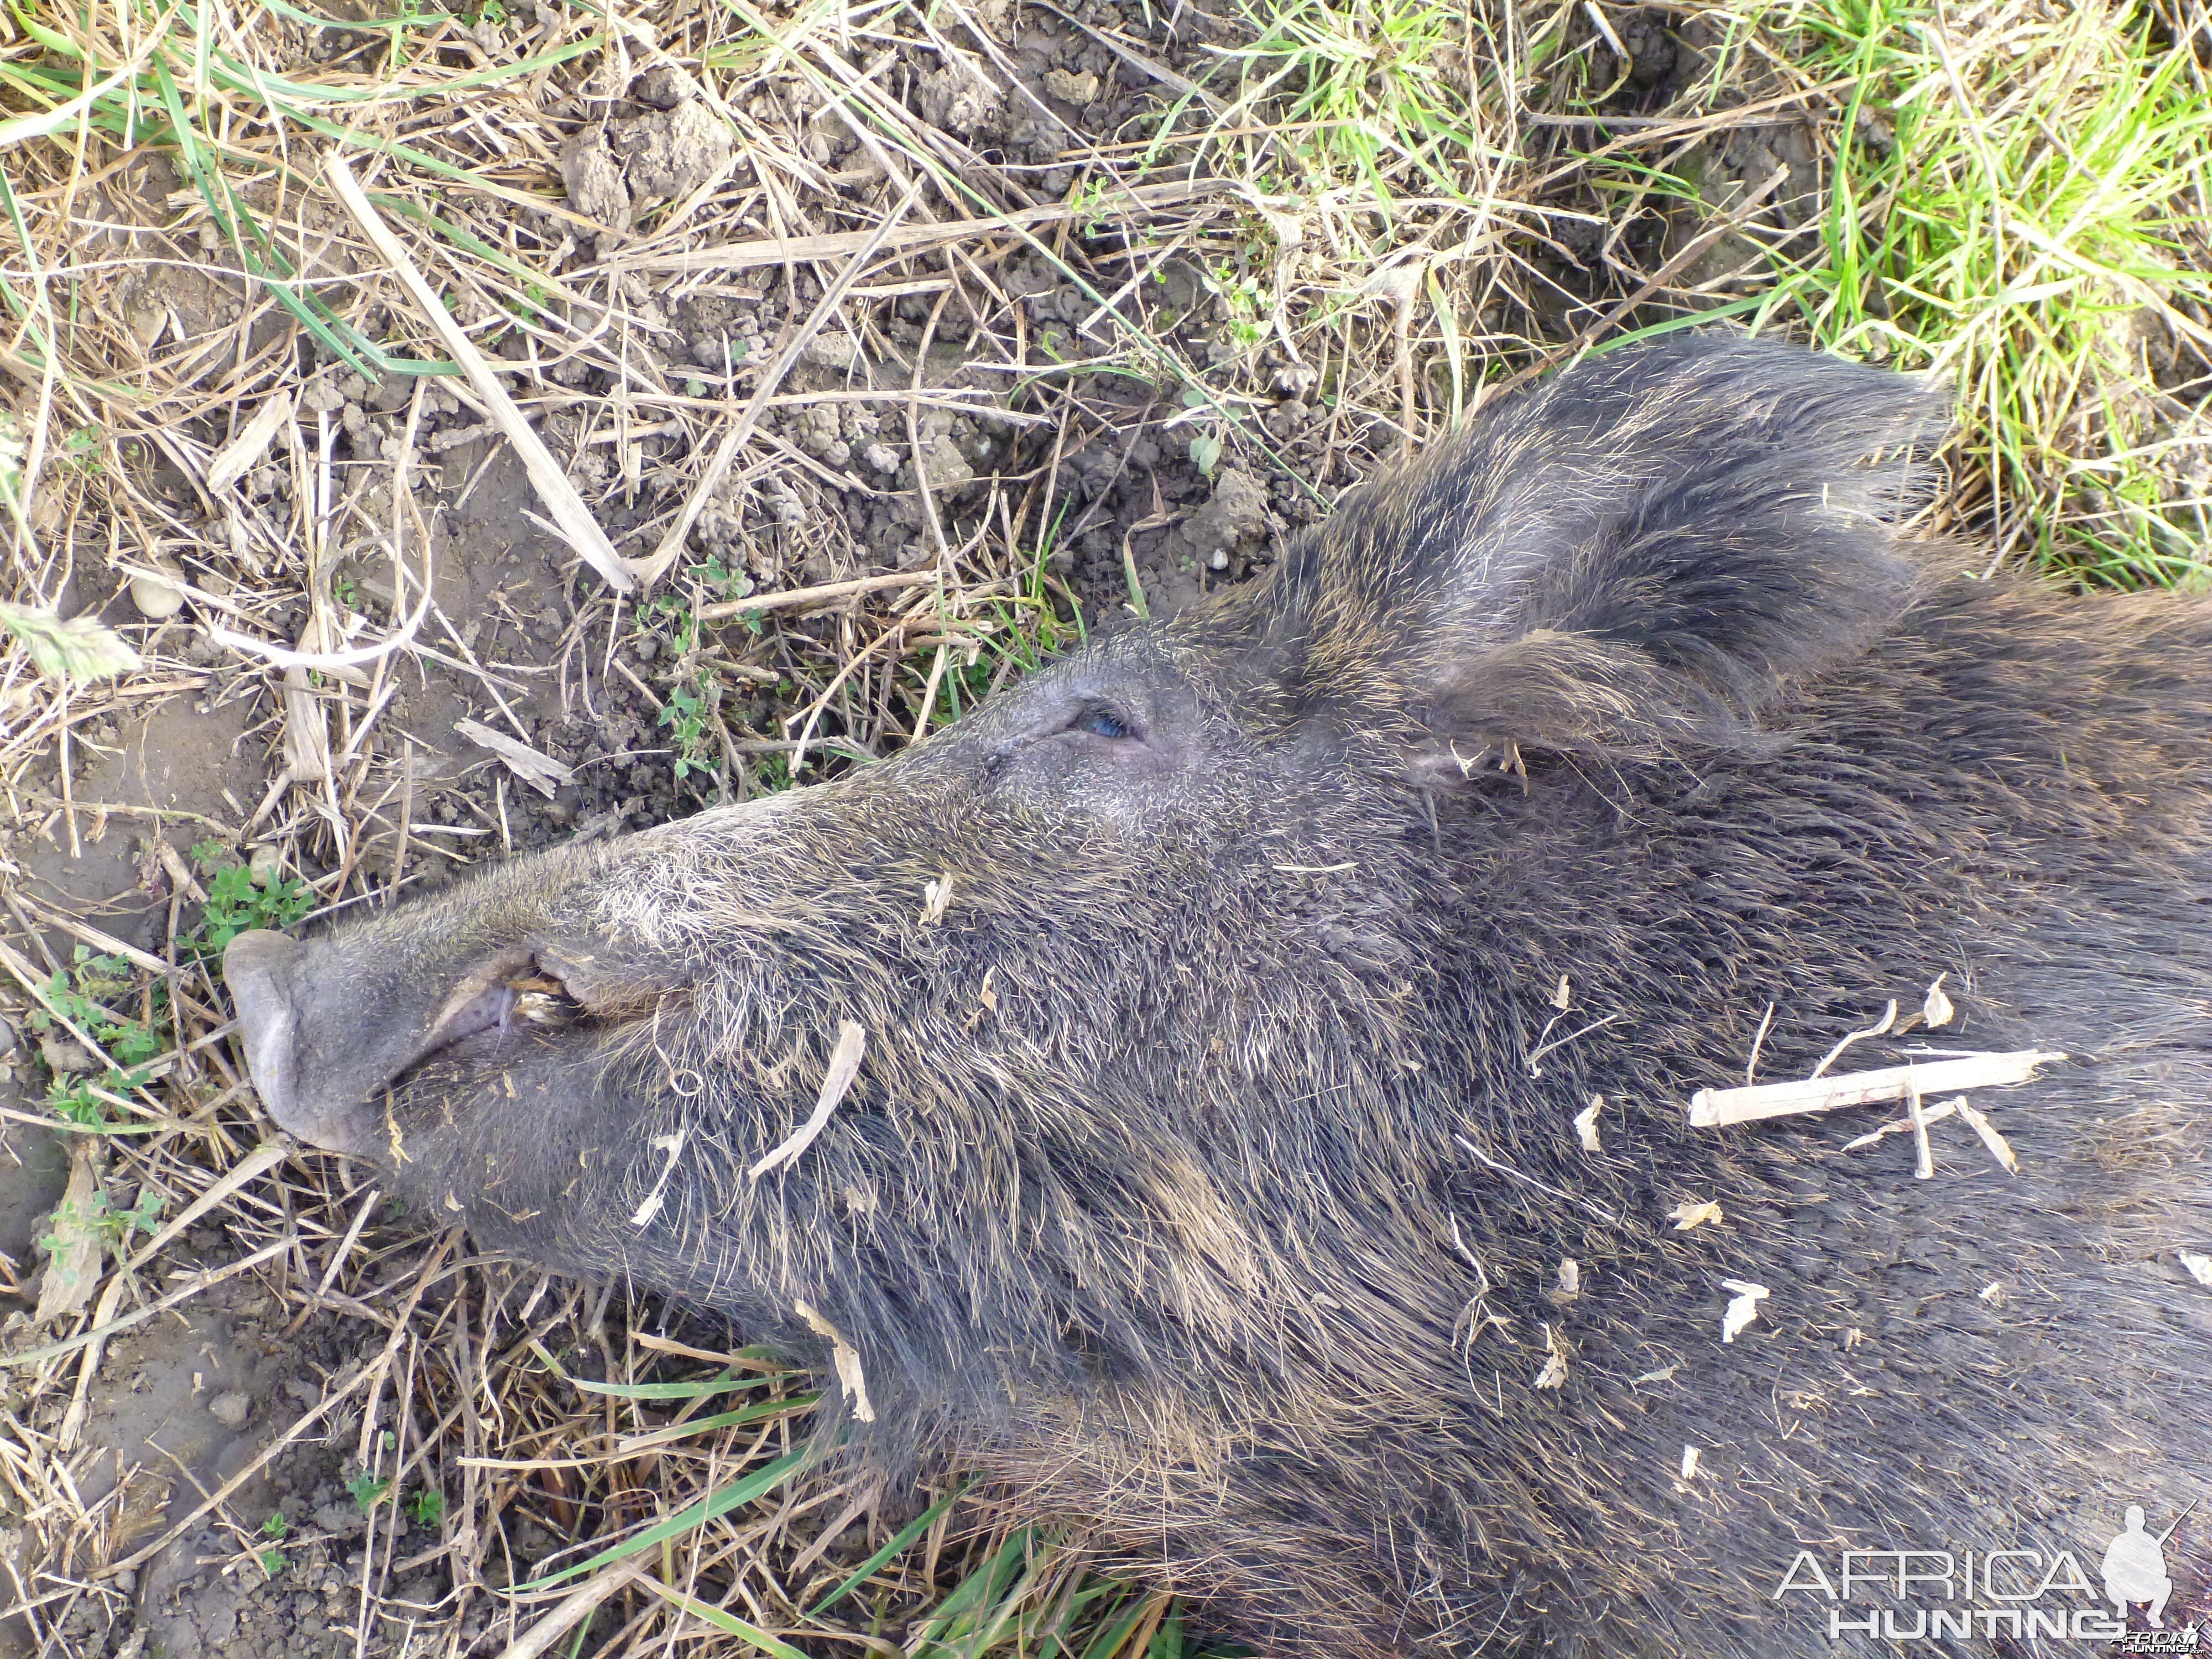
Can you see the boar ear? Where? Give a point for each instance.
(1632, 560)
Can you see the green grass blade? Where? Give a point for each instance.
(900, 1540)
(729, 1623)
(715, 1505)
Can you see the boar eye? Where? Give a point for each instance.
(1100, 722)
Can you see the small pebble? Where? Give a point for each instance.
(263, 864)
(156, 598)
(229, 1409)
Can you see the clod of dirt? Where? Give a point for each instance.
(831, 349)
(594, 178)
(230, 1409)
(957, 100)
(669, 153)
(612, 171)
(66, 1057)
(321, 396)
(665, 85)
(1073, 87)
(943, 465)
(1234, 520)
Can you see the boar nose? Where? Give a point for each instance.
(256, 965)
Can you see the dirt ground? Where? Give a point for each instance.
(1040, 410)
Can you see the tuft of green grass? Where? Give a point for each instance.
(170, 76)
(2019, 199)
(1027, 1593)
(1373, 88)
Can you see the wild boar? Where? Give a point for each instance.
(1270, 1031)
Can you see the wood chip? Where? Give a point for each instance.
(935, 895)
(1554, 1374)
(541, 772)
(238, 458)
(1935, 1008)
(1586, 1123)
(1743, 1306)
(1888, 1019)
(844, 1066)
(845, 1357)
(1686, 1216)
(2000, 1149)
(1712, 1107)
(1923, 1155)
(1903, 1125)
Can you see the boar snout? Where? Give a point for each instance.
(328, 1022)
(256, 967)
(293, 1002)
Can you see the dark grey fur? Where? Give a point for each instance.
(1212, 1164)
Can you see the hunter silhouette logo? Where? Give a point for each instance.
(2135, 1568)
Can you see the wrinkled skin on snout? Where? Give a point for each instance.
(1211, 1161)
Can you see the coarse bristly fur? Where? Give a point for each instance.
(1211, 1162)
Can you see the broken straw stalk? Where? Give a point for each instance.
(1711, 1107)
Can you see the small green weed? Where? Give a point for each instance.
(237, 904)
(86, 996)
(81, 450)
(1085, 199)
(426, 1507)
(686, 714)
(1206, 443)
(719, 580)
(99, 1217)
(1245, 301)
(367, 1491)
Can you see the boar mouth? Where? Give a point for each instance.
(282, 1020)
(513, 989)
